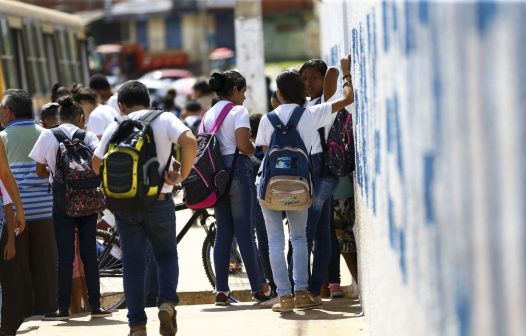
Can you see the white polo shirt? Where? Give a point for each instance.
(166, 131)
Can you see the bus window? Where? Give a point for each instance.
(8, 56)
(49, 45)
(63, 59)
(20, 55)
(32, 60)
(37, 60)
(84, 70)
(74, 57)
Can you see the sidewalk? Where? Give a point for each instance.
(335, 317)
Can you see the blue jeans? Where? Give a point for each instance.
(298, 239)
(234, 219)
(151, 287)
(156, 225)
(65, 238)
(318, 224)
(261, 233)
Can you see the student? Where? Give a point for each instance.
(204, 94)
(7, 219)
(28, 286)
(155, 224)
(193, 115)
(98, 116)
(234, 211)
(259, 221)
(49, 119)
(99, 83)
(45, 153)
(49, 115)
(291, 93)
(320, 84)
(274, 101)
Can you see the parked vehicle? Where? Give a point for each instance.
(130, 60)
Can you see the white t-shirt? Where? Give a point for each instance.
(45, 149)
(6, 199)
(236, 118)
(313, 117)
(316, 142)
(166, 131)
(112, 102)
(100, 118)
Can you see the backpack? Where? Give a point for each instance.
(208, 180)
(130, 168)
(76, 190)
(339, 146)
(286, 182)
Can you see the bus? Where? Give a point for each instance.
(40, 47)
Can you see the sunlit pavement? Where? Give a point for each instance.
(335, 317)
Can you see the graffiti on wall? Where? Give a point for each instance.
(437, 115)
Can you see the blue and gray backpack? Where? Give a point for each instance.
(286, 182)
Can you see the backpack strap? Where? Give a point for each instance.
(295, 117)
(151, 116)
(79, 134)
(275, 121)
(220, 118)
(59, 134)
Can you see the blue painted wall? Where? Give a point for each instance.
(441, 161)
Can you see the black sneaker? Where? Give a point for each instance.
(97, 312)
(222, 299)
(261, 296)
(56, 316)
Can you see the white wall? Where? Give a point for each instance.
(440, 128)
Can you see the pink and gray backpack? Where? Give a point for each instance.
(209, 179)
(339, 147)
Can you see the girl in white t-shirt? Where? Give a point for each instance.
(44, 153)
(291, 93)
(234, 211)
(320, 83)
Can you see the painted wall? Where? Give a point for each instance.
(441, 153)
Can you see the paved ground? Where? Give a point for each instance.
(335, 317)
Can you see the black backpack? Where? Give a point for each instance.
(130, 168)
(76, 191)
(339, 146)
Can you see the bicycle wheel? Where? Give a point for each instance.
(237, 275)
(109, 259)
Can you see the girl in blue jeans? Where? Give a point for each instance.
(234, 211)
(291, 93)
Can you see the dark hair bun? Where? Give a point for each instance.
(65, 101)
(217, 81)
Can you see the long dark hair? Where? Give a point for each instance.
(291, 87)
(223, 83)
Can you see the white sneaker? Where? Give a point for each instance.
(269, 303)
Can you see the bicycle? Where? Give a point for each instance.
(110, 266)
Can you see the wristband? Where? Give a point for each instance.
(349, 75)
(345, 83)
